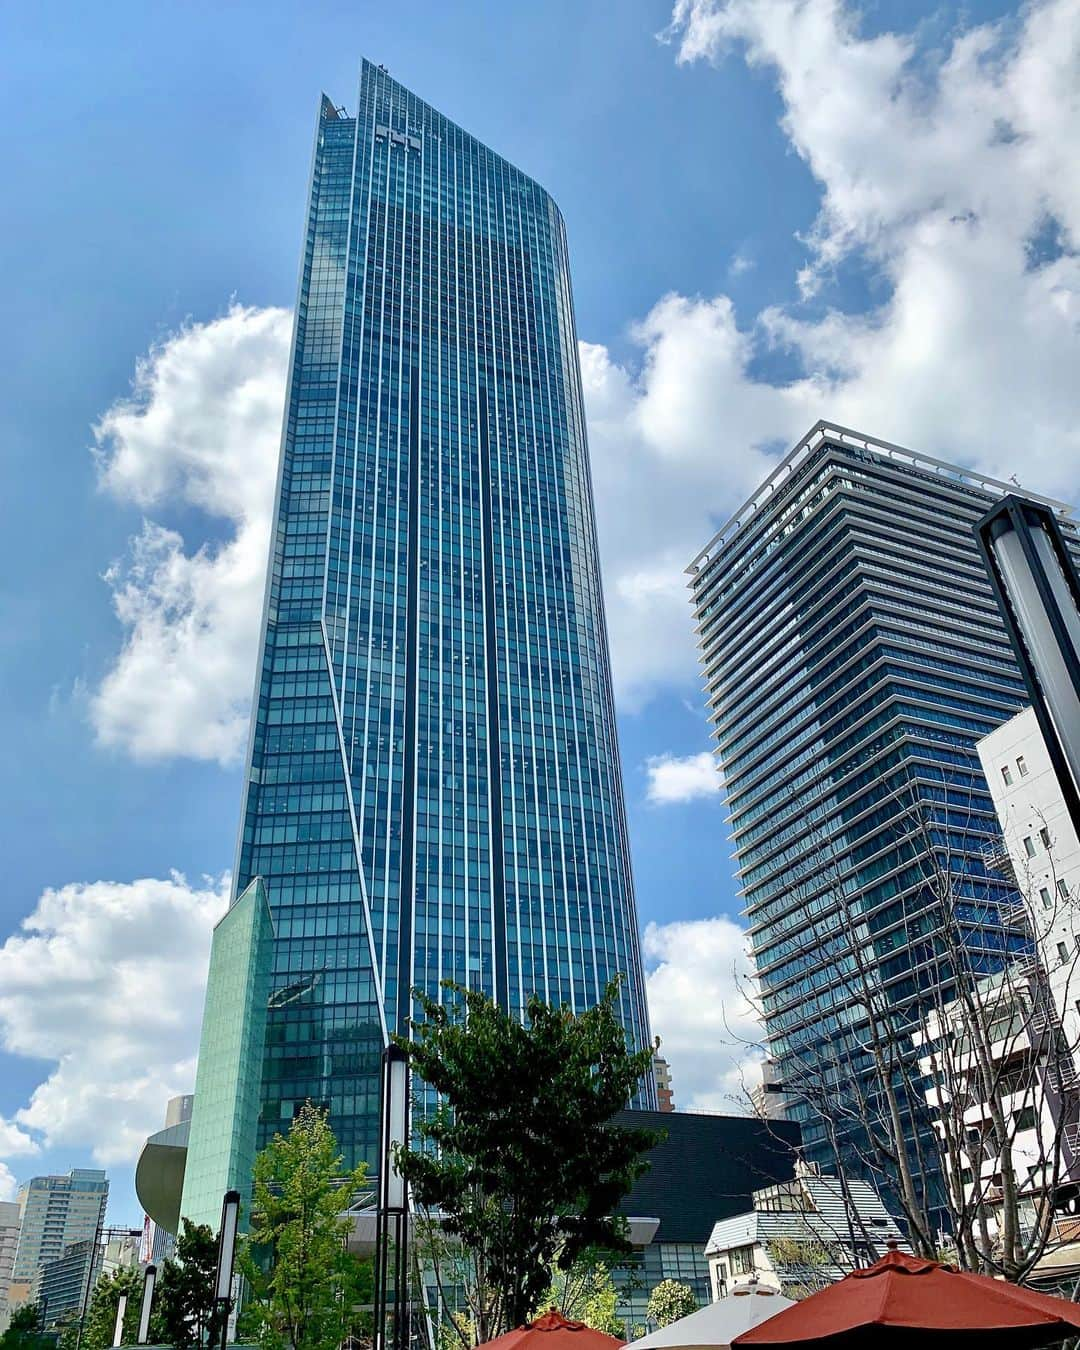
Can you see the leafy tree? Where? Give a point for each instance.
(185, 1314)
(23, 1330)
(100, 1323)
(306, 1286)
(527, 1177)
(586, 1293)
(670, 1300)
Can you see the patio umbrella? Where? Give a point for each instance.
(717, 1324)
(553, 1331)
(904, 1300)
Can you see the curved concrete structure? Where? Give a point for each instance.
(159, 1175)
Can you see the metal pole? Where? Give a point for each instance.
(118, 1330)
(230, 1223)
(392, 1209)
(149, 1280)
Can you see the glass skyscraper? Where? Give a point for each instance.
(853, 656)
(433, 786)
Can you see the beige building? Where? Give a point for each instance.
(9, 1240)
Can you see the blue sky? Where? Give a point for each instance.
(787, 209)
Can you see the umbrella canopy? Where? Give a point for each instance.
(553, 1331)
(717, 1324)
(900, 1294)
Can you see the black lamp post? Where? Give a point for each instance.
(149, 1280)
(1038, 593)
(230, 1222)
(392, 1219)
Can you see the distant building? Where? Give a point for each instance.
(665, 1098)
(1042, 853)
(161, 1170)
(706, 1167)
(800, 1234)
(9, 1240)
(64, 1284)
(55, 1212)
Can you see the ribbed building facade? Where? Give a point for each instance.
(433, 788)
(853, 657)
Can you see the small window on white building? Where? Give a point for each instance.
(1006, 774)
(1063, 951)
(1025, 1119)
(1044, 835)
(1062, 889)
(742, 1261)
(1029, 845)
(1021, 764)
(1044, 896)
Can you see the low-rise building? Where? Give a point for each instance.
(706, 1167)
(800, 1234)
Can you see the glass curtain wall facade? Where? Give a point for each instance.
(853, 656)
(433, 788)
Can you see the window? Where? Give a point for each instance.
(1063, 951)
(1044, 896)
(742, 1261)
(1006, 773)
(1062, 889)
(1021, 764)
(1025, 1119)
(1044, 835)
(1029, 846)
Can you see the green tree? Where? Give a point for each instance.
(530, 1176)
(307, 1288)
(185, 1314)
(670, 1300)
(100, 1323)
(23, 1330)
(586, 1293)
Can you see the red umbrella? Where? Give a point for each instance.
(553, 1331)
(899, 1296)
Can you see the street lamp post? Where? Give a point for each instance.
(393, 1209)
(121, 1312)
(1038, 593)
(149, 1280)
(230, 1223)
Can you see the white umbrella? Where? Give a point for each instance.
(717, 1324)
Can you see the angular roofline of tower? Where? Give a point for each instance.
(823, 430)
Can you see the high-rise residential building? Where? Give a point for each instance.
(9, 1240)
(853, 657)
(55, 1212)
(65, 1283)
(433, 785)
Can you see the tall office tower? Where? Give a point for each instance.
(56, 1212)
(433, 785)
(853, 657)
(9, 1240)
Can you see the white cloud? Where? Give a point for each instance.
(674, 778)
(15, 1142)
(201, 429)
(940, 174)
(105, 980)
(8, 1185)
(697, 988)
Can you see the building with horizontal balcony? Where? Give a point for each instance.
(853, 657)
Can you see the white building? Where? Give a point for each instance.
(1006, 1031)
(801, 1234)
(9, 1240)
(1043, 853)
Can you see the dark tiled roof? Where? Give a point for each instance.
(706, 1169)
